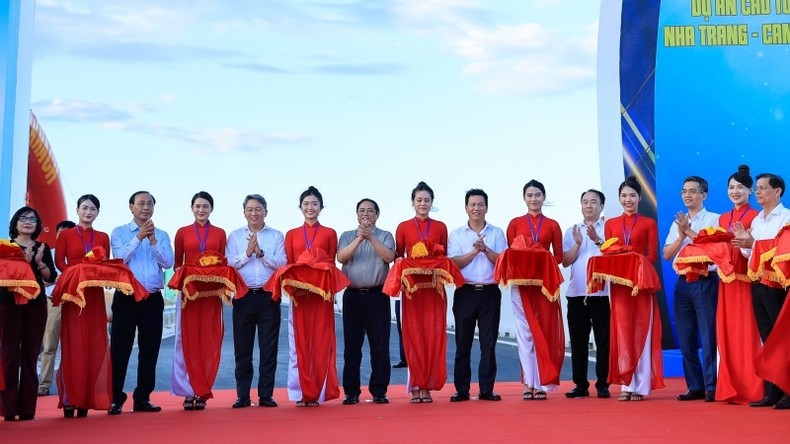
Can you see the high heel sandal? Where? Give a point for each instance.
(200, 403)
(68, 411)
(82, 413)
(189, 403)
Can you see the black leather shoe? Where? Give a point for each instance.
(381, 399)
(604, 393)
(783, 404)
(691, 395)
(710, 395)
(115, 409)
(577, 393)
(265, 402)
(241, 403)
(401, 364)
(351, 400)
(489, 396)
(765, 402)
(458, 397)
(145, 407)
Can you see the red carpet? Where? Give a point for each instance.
(657, 419)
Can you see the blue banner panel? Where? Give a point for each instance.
(722, 98)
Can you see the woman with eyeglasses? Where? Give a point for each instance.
(84, 376)
(767, 298)
(22, 325)
(642, 319)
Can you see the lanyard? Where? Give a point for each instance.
(427, 231)
(204, 240)
(732, 216)
(627, 234)
(534, 231)
(87, 247)
(309, 244)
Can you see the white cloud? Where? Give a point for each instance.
(129, 117)
(525, 58)
(215, 140)
(82, 111)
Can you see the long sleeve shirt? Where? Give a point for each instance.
(539, 228)
(640, 232)
(146, 261)
(256, 271)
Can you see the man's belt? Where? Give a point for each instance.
(257, 291)
(366, 290)
(479, 287)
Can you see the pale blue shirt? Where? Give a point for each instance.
(461, 241)
(147, 262)
(256, 271)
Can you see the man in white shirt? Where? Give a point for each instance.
(256, 251)
(587, 311)
(475, 248)
(766, 301)
(695, 302)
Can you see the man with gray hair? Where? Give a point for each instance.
(256, 251)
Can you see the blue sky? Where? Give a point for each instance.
(360, 99)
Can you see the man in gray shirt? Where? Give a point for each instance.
(366, 254)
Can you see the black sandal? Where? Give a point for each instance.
(200, 403)
(189, 403)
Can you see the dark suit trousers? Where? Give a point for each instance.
(482, 308)
(400, 331)
(144, 317)
(366, 312)
(582, 317)
(21, 333)
(695, 323)
(256, 310)
(767, 303)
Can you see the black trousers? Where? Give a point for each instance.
(256, 310)
(144, 317)
(366, 312)
(21, 333)
(400, 331)
(767, 303)
(581, 318)
(476, 305)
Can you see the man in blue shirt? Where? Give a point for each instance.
(146, 250)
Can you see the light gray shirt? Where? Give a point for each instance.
(366, 268)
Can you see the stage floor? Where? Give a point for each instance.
(660, 418)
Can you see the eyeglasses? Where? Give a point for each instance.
(366, 211)
(31, 219)
(691, 192)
